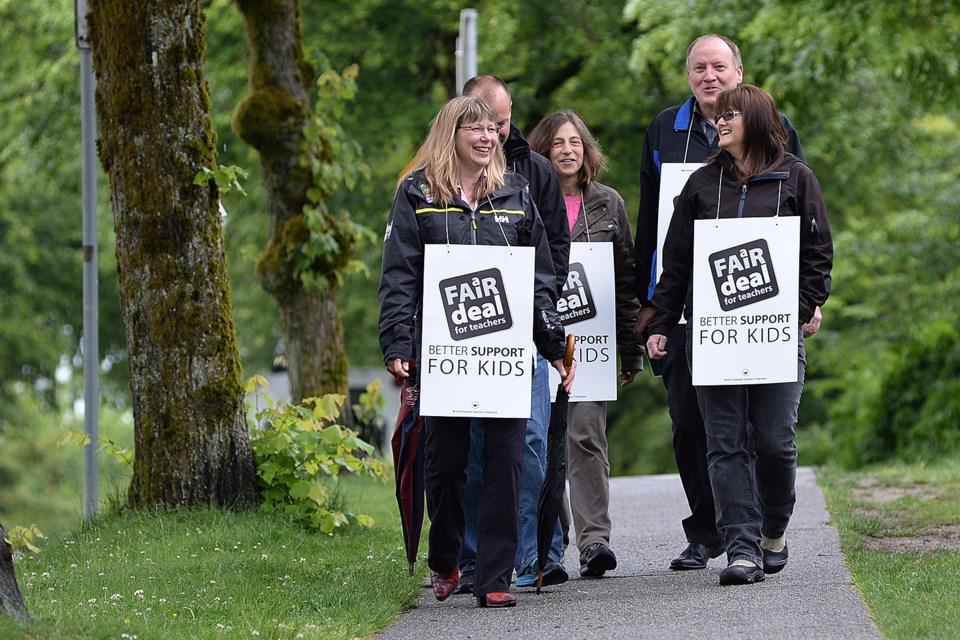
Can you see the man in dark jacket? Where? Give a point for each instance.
(687, 133)
(547, 195)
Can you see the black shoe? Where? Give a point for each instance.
(554, 573)
(466, 582)
(774, 561)
(596, 560)
(738, 574)
(695, 556)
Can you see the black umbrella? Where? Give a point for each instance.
(408, 455)
(554, 480)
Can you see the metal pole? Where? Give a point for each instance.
(466, 48)
(91, 329)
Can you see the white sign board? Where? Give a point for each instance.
(477, 351)
(746, 279)
(673, 177)
(588, 308)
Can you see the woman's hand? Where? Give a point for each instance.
(656, 346)
(399, 369)
(813, 326)
(628, 376)
(566, 375)
(644, 316)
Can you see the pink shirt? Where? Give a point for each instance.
(573, 208)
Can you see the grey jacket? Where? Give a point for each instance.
(603, 218)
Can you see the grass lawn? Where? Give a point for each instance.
(213, 574)
(900, 534)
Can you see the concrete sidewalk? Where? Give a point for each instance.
(812, 598)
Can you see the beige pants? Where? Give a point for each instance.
(588, 473)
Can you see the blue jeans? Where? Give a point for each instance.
(534, 467)
(745, 420)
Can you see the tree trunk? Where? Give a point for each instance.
(190, 430)
(272, 119)
(10, 595)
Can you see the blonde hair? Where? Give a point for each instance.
(437, 155)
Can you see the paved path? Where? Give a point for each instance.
(812, 598)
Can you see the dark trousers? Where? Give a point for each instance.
(689, 442)
(446, 451)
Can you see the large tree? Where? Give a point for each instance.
(192, 444)
(302, 160)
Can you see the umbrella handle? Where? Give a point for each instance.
(568, 356)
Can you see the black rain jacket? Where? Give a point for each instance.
(507, 216)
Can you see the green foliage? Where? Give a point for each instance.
(911, 411)
(642, 440)
(43, 482)
(105, 446)
(40, 208)
(334, 160)
(226, 178)
(300, 451)
(23, 538)
(368, 413)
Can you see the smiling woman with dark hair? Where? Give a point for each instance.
(751, 176)
(595, 213)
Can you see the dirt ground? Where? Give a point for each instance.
(926, 540)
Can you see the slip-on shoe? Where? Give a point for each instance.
(774, 561)
(444, 583)
(695, 556)
(497, 599)
(739, 574)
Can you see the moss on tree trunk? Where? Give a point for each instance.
(192, 443)
(271, 119)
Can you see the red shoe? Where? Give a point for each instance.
(444, 583)
(497, 599)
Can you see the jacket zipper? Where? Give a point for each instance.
(743, 198)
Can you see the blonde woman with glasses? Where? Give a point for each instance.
(457, 171)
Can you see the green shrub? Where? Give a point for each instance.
(300, 452)
(908, 408)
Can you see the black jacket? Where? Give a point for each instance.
(799, 195)
(415, 222)
(547, 195)
(676, 135)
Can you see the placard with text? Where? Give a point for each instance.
(587, 308)
(477, 351)
(744, 322)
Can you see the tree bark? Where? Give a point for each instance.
(272, 119)
(10, 595)
(190, 430)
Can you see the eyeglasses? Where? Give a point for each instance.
(726, 115)
(478, 130)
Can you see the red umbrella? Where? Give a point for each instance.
(407, 444)
(554, 480)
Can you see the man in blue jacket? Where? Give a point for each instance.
(547, 195)
(682, 134)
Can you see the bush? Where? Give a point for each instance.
(910, 408)
(300, 451)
